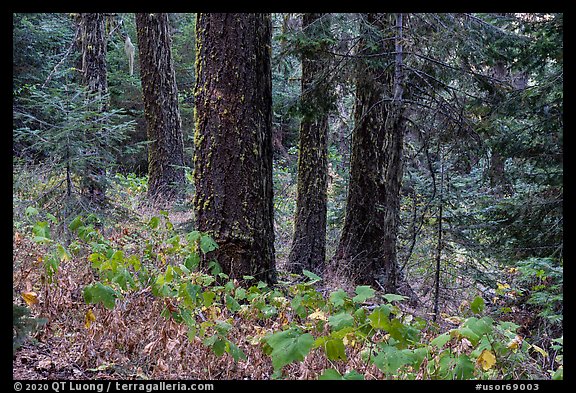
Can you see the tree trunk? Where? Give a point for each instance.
(93, 62)
(367, 247)
(93, 36)
(164, 128)
(309, 241)
(233, 140)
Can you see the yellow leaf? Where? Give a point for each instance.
(515, 343)
(486, 360)
(89, 318)
(540, 350)
(319, 315)
(30, 298)
(349, 339)
(502, 286)
(453, 320)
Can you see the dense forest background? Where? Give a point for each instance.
(288, 196)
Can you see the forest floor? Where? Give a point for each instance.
(134, 341)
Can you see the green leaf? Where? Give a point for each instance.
(379, 318)
(391, 297)
(51, 264)
(289, 346)
(441, 340)
(42, 231)
(123, 278)
(235, 351)
(479, 326)
(192, 261)
(419, 355)
(214, 267)
(268, 311)
(298, 307)
(193, 236)
(232, 304)
(558, 374)
(222, 327)
(207, 244)
(62, 253)
(464, 367)
(240, 293)
(217, 343)
(390, 359)
(469, 334)
(191, 331)
(97, 259)
(189, 292)
(208, 298)
(76, 223)
(169, 275)
(31, 211)
(338, 298)
(335, 349)
(134, 261)
(404, 333)
(313, 277)
(100, 293)
(52, 218)
(187, 318)
(477, 305)
(340, 321)
(330, 374)
(154, 222)
(363, 293)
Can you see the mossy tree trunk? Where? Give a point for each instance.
(309, 241)
(367, 246)
(233, 141)
(164, 126)
(94, 76)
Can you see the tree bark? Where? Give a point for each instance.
(93, 36)
(93, 62)
(367, 246)
(160, 93)
(309, 240)
(233, 140)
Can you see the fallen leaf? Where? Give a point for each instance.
(45, 364)
(171, 345)
(486, 360)
(502, 286)
(30, 298)
(89, 318)
(161, 365)
(318, 315)
(148, 348)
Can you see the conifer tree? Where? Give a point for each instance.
(233, 141)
